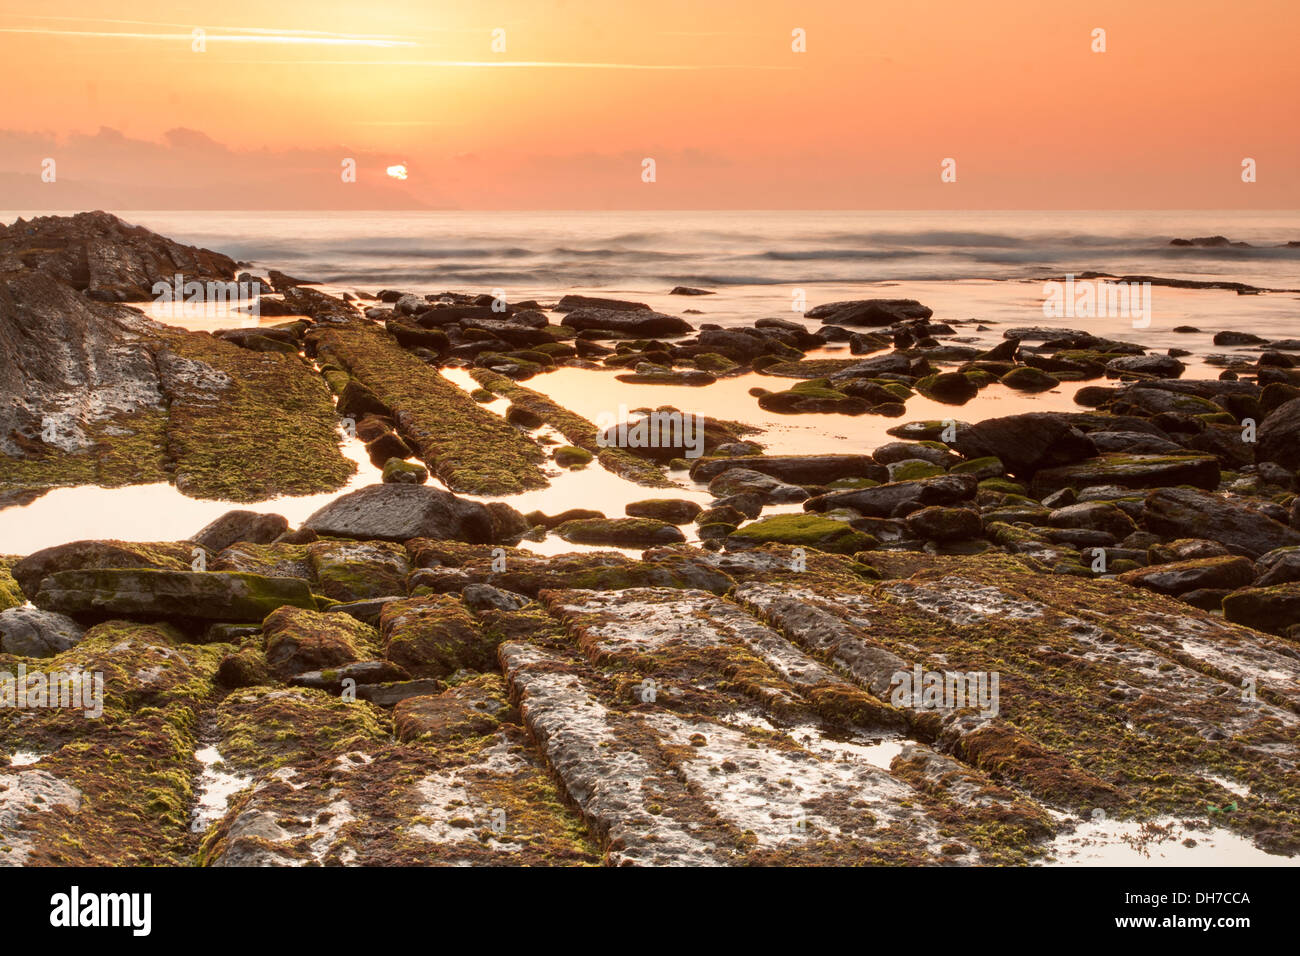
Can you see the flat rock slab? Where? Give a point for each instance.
(148, 593)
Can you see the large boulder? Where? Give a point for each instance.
(1025, 443)
(401, 512)
(1189, 513)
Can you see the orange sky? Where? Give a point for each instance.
(586, 89)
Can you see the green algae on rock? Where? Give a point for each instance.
(150, 593)
(802, 530)
(469, 448)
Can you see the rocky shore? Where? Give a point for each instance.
(399, 680)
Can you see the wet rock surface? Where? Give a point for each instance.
(950, 649)
(633, 723)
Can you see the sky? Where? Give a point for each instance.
(557, 104)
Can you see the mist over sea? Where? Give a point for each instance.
(545, 252)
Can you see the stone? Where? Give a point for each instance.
(434, 636)
(31, 632)
(1025, 443)
(1187, 512)
(149, 593)
(402, 512)
(620, 532)
(671, 510)
(1179, 577)
(236, 526)
(299, 640)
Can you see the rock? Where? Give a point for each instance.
(937, 523)
(550, 522)
(871, 312)
(735, 481)
(807, 531)
(434, 637)
(1179, 577)
(30, 632)
(387, 447)
(358, 570)
(1131, 471)
(1093, 515)
(1278, 567)
(402, 512)
(628, 322)
(1025, 443)
(1278, 440)
(235, 526)
(299, 640)
(1133, 443)
(570, 303)
(110, 260)
(912, 468)
(950, 388)
(400, 472)
(1186, 512)
(483, 597)
(508, 523)
(96, 555)
(1238, 338)
(352, 675)
(620, 532)
(150, 594)
(687, 290)
(898, 499)
(570, 456)
(1186, 549)
(1025, 378)
(749, 505)
(471, 709)
(1272, 609)
(795, 469)
(669, 510)
(391, 694)
(893, 451)
(1161, 366)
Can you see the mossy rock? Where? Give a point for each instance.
(398, 471)
(982, 468)
(434, 636)
(298, 640)
(1029, 379)
(914, 470)
(802, 530)
(620, 532)
(571, 456)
